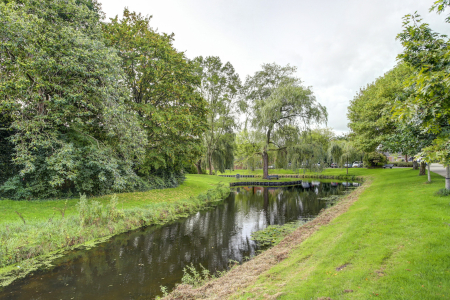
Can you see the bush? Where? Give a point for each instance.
(402, 164)
(374, 159)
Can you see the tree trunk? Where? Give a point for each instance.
(422, 168)
(199, 166)
(447, 178)
(415, 165)
(347, 165)
(265, 157)
(406, 157)
(210, 163)
(429, 172)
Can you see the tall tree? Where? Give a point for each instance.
(370, 113)
(276, 99)
(220, 87)
(163, 86)
(62, 88)
(427, 54)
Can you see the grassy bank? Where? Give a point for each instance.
(32, 233)
(391, 243)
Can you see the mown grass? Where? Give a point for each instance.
(392, 244)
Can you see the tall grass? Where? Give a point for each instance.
(20, 241)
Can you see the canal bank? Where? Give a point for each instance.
(387, 240)
(134, 265)
(34, 233)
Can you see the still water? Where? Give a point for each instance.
(136, 264)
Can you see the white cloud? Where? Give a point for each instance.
(338, 46)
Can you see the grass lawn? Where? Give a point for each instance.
(393, 243)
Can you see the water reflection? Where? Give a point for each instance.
(134, 265)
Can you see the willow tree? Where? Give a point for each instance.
(335, 152)
(248, 143)
(349, 153)
(220, 87)
(277, 100)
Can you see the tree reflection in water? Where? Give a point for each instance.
(134, 265)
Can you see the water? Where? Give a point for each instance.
(136, 264)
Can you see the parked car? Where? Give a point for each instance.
(334, 165)
(357, 164)
(348, 165)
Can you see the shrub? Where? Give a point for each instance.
(373, 159)
(402, 164)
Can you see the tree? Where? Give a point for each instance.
(62, 89)
(336, 152)
(370, 113)
(409, 140)
(220, 87)
(427, 54)
(163, 86)
(7, 168)
(349, 153)
(248, 145)
(276, 100)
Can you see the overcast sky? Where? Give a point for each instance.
(337, 46)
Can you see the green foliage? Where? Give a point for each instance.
(220, 87)
(373, 159)
(163, 86)
(273, 234)
(427, 107)
(370, 110)
(336, 152)
(248, 145)
(7, 168)
(278, 105)
(71, 130)
(442, 193)
(402, 164)
(195, 278)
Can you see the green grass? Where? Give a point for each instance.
(393, 243)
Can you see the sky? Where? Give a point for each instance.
(337, 46)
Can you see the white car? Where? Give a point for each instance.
(357, 164)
